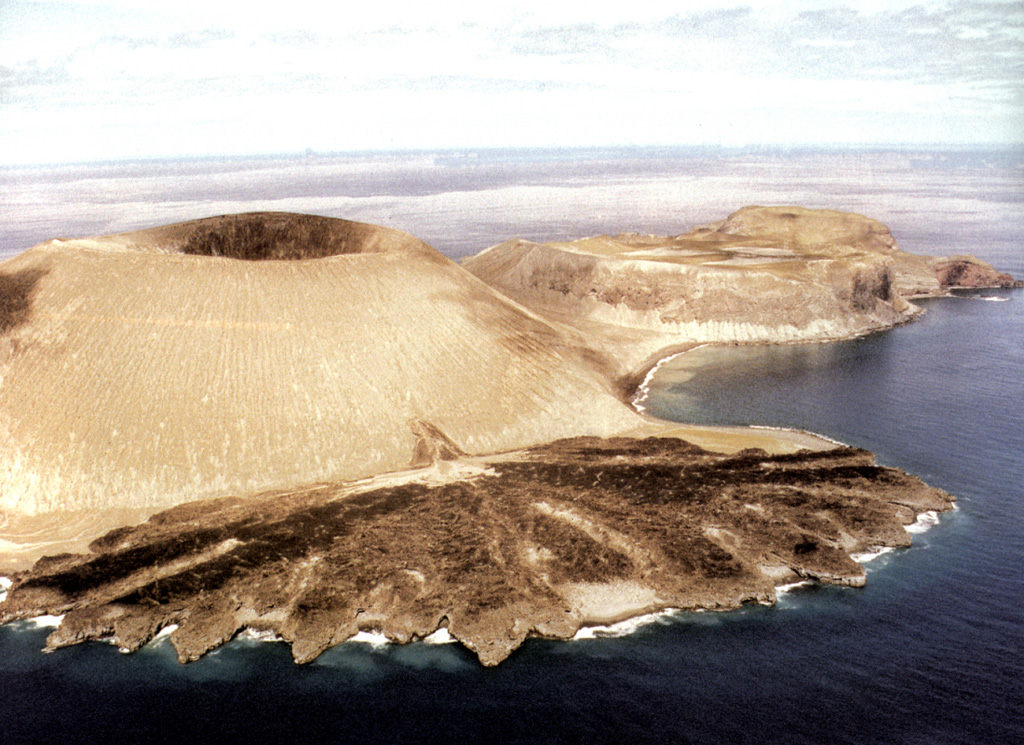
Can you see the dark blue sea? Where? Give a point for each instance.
(931, 651)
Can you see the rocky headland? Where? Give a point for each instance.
(762, 275)
(313, 427)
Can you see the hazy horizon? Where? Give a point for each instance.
(101, 80)
(513, 152)
(461, 202)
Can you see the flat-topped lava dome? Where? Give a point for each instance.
(262, 351)
(762, 275)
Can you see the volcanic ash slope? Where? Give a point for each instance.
(261, 351)
(765, 274)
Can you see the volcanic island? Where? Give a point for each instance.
(310, 428)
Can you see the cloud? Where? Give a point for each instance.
(31, 74)
(198, 39)
(560, 41)
(718, 24)
(296, 39)
(965, 42)
(759, 69)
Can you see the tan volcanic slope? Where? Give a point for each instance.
(145, 369)
(133, 375)
(765, 274)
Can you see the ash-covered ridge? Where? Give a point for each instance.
(762, 275)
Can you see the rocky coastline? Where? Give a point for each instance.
(488, 477)
(539, 542)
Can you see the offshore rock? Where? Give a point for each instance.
(968, 271)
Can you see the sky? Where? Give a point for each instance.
(122, 79)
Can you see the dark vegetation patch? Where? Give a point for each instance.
(479, 551)
(868, 288)
(827, 456)
(16, 292)
(595, 448)
(110, 541)
(187, 512)
(651, 479)
(195, 582)
(106, 568)
(275, 236)
(577, 556)
(714, 561)
(320, 601)
(688, 476)
(805, 547)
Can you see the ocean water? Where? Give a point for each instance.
(462, 202)
(931, 651)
